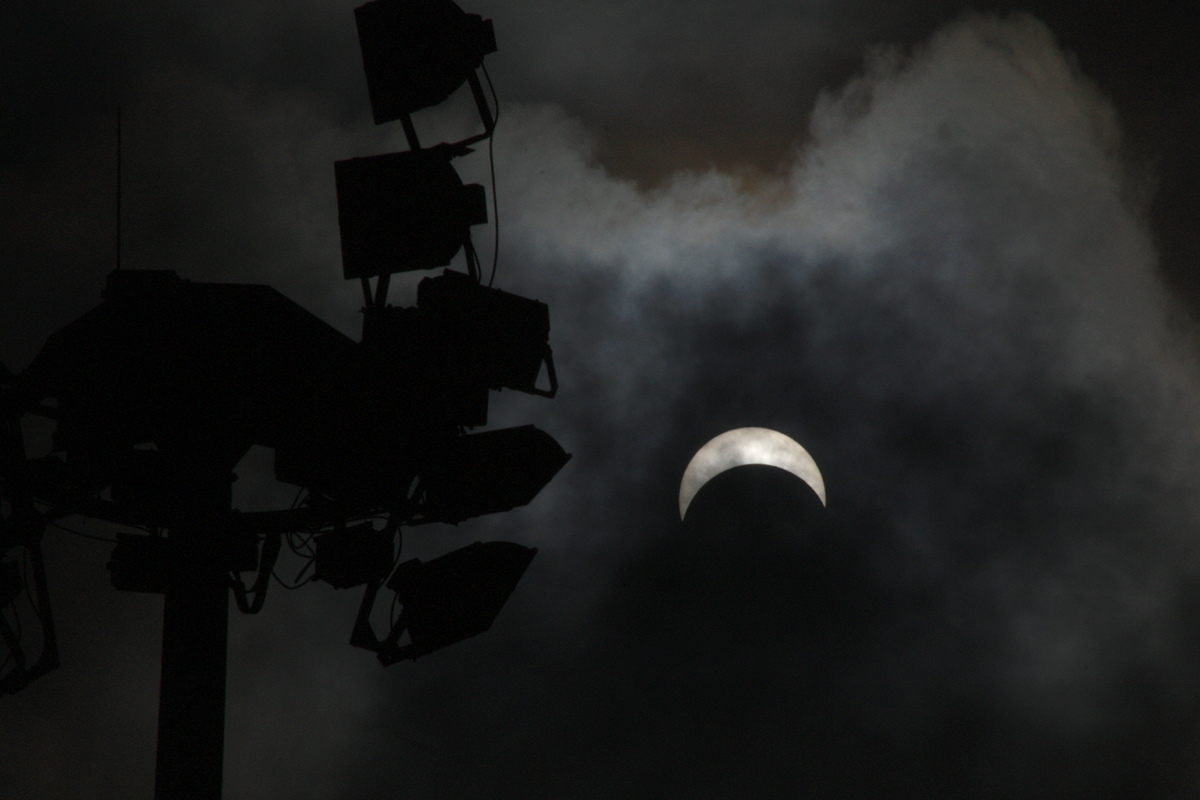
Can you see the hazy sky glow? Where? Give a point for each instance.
(951, 253)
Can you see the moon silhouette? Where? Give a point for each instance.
(747, 446)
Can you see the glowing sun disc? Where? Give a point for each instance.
(747, 446)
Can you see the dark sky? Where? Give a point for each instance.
(950, 250)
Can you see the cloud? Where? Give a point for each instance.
(950, 298)
(946, 291)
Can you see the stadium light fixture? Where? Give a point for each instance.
(453, 597)
(404, 211)
(416, 53)
(501, 339)
(489, 472)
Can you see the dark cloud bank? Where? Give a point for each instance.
(949, 294)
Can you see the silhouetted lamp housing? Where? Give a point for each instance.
(403, 211)
(453, 597)
(490, 472)
(499, 339)
(417, 52)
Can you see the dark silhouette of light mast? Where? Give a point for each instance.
(159, 392)
(191, 710)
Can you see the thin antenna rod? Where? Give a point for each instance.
(118, 185)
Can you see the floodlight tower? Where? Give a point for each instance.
(159, 392)
(408, 211)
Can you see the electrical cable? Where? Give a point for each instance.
(262, 581)
(302, 547)
(26, 568)
(11, 634)
(25, 589)
(303, 570)
(293, 586)
(16, 627)
(492, 168)
(472, 260)
(84, 535)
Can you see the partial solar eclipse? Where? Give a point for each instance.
(742, 446)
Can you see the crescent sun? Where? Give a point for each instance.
(748, 446)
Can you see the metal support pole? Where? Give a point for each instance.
(410, 132)
(191, 710)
